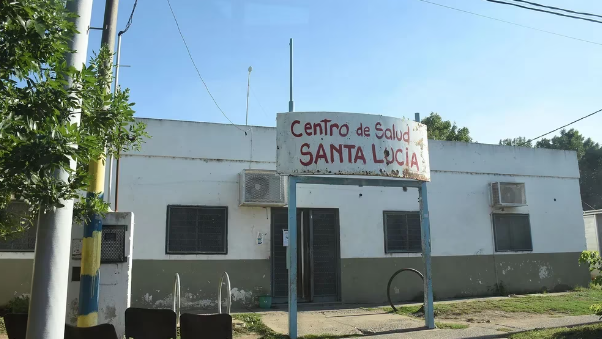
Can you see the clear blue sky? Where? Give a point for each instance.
(390, 57)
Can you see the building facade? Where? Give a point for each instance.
(184, 188)
(593, 229)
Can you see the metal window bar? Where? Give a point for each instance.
(402, 231)
(23, 241)
(197, 230)
(113, 244)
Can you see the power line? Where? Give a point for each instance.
(197, 69)
(559, 9)
(561, 127)
(127, 26)
(544, 11)
(260, 105)
(512, 23)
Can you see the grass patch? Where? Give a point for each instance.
(503, 329)
(574, 303)
(579, 332)
(2, 328)
(253, 324)
(450, 326)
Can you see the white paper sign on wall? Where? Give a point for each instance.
(326, 143)
(285, 238)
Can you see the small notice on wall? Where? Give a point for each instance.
(76, 249)
(285, 238)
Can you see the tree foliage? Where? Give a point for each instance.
(439, 129)
(589, 157)
(594, 262)
(520, 141)
(39, 97)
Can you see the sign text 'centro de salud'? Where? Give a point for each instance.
(326, 143)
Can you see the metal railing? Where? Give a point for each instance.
(219, 293)
(176, 297)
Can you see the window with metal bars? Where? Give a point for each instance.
(22, 241)
(197, 230)
(512, 232)
(402, 232)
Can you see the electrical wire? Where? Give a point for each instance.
(558, 9)
(198, 72)
(259, 102)
(129, 23)
(512, 23)
(544, 11)
(561, 127)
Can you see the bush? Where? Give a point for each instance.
(18, 304)
(594, 261)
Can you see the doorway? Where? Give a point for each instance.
(318, 258)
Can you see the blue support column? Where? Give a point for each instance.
(425, 226)
(292, 258)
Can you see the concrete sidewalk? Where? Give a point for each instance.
(379, 324)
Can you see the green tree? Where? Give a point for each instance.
(520, 141)
(593, 260)
(589, 157)
(37, 136)
(439, 129)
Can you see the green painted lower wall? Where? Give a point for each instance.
(153, 281)
(365, 280)
(362, 280)
(15, 278)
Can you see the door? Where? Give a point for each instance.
(317, 255)
(324, 254)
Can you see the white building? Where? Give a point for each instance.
(593, 229)
(183, 187)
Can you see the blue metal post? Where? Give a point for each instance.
(292, 258)
(425, 226)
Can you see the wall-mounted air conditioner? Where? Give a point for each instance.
(262, 188)
(508, 194)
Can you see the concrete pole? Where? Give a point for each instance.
(89, 286)
(51, 259)
(110, 161)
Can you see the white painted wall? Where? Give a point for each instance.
(198, 164)
(591, 232)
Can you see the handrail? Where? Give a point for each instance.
(176, 296)
(219, 294)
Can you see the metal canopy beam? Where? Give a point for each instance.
(356, 181)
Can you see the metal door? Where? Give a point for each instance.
(279, 270)
(317, 258)
(325, 254)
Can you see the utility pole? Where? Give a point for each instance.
(291, 104)
(89, 286)
(53, 238)
(248, 88)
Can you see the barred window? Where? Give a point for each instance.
(197, 229)
(402, 232)
(512, 232)
(21, 241)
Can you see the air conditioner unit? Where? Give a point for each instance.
(508, 194)
(262, 188)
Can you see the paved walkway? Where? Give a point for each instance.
(379, 324)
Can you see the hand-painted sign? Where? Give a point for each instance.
(351, 144)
